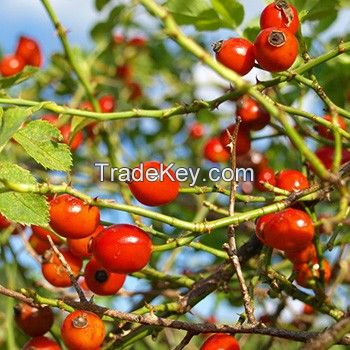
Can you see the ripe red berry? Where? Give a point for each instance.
(327, 133)
(306, 272)
(87, 106)
(280, 14)
(196, 130)
(41, 343)
(243, 142)
(82, 247)
(100, 281)
(220, 341)
(237, 54)
(40, 246)
(118, 39)
(11, 65)
(265, 175)
(33, 321)
(290, 229)
(107, 103)
(291, 180)
(135, 91)
(122, 248)
(253, 116)
(42, 234)
(30, 51)
(137, 41)
(70, 217)
(125, 73)
(215, 151)
(276, 49)
(156, 186)
(83, 330)
(308, 310)
(53, 270)
(302, 256)
(326, 155)
(4, 223)
(66, 132)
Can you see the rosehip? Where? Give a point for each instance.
(30, 51)
(42, 234)
(265, 175)
(125, 73)
(53, 270)
(100, 281)
(276, 49)
(107, 103)
(243, 142)
(11, 65)
(289, 229)
(305, 273)
(196, 130)
(41, 343)
(308, 310)
(326, 155)
(33, 321)
(122, 248)
(327, 133)
(40, 246)
(253, 116)
(215, 151)
(302, 256)
(82, 247)
(135, 91)
(4, 223)
(291, 180)
(155, 187)
(280, 14)
(137, 41)
(83, 330)
(236, 54)
(70, 217)
(220, 341)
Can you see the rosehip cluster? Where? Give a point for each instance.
(28, 52)
(275, 48)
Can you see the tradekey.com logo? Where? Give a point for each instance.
(182, 174)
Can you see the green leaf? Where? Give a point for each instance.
(25, 74)
(38, 138)
(23, 208)
(191, 8)
(231, 11)
(10, 121)
(100, 4)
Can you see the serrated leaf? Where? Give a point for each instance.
(27, 73)
(231, 11)
(38, 138)
(100, 4)
(188, 8)
(23, 208)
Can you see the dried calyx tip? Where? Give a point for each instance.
(217, 46)
(277, 38)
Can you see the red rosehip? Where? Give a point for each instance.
(137, 41)
(135, 90)
(118, 39)
(122, 248)
(291, 180)
(155, 188)
(306, 272)
(30, 51)
(100, 281)
(125, 73)
(253, 116)
(326, 155)
(107, 103)
(243, 142)
(4, 223)
(280, 14)
(83, 330)
(70, 217)
(11, 65)
(221, 341)
(53, 270)
(290, 230)
(276, 49)
(215, 151)
(302, 256)
(42, 234)
(33, 321)
(41, 343)
(196, 130)
(82, 247)
(308, 309)
(40, 246)
(236, 54)
(265, 175)
(87, 106)
(327, 133)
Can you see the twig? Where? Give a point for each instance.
(231, 246)
(185, 340)
(69, 271)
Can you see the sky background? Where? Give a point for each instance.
(28, 17)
